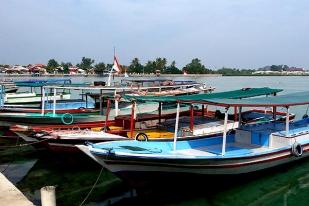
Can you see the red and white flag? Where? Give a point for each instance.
(116, 65)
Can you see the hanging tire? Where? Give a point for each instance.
(141, 137)
(297, 149)
(66, 116)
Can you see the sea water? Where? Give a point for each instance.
(74, 175)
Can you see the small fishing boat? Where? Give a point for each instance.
(252, 147)
(146, 126)
(167, 87)
(30, 98)
(50, 118)
(206, 121)
(65, 140)
(9, 85)
(62, 138)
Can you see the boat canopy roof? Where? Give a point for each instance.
(146, 80)
(156, 80)
(293, 99)
(42, 82)
(234, 94)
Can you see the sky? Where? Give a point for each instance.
(221, 33)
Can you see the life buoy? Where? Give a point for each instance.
(141, 137)
(67, 116)
(297, 149)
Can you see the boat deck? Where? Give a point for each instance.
(249, 140)
(232, 150)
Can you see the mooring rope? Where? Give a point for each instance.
(93, 186)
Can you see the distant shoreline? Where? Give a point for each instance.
(122, 75)
(146, 75)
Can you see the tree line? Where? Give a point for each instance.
(152, 66)
(157, 65)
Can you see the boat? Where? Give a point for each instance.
(192, 121)
(251, 148)
(168, 87)
(12, 99)
(21, 98)
(62, 138)
(147, 126)
(50, 118)
(9, 85)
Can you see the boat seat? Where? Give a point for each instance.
(230, 150)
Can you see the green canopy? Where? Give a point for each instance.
(235, 94)
(299, 98)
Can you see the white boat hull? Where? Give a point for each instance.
(29, 98)
(222, 168)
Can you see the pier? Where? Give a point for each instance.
(10, 195)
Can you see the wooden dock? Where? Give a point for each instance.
(10, 195)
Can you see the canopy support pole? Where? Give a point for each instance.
(239, 115)
(176, 125)
(43, 101)
(203, 110)
(101, 103)
(135, 110)
(54, 102)
(160, 111)
(2, 96)
(191, 117)
(108, 107)
(41, 93)
(224, 131)
(132, 120)
(116, 104)
(274, 112)
(235, 113)
(287, 121)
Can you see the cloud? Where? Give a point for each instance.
(238, 33)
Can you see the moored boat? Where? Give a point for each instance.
(205, 125)
(251, 148)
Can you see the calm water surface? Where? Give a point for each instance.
(74, 175)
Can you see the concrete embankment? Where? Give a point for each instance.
(10, 195)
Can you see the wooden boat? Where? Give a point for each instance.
(64, 104)
(170, 87)
(9, 119)
(59, 111)
(144, 125)
(147, 127)
(9, 86)
(62, 138)
(30, 98)
(253, 147)
(65, 140)
(158, 87)
(206, 122)
(33, 97)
